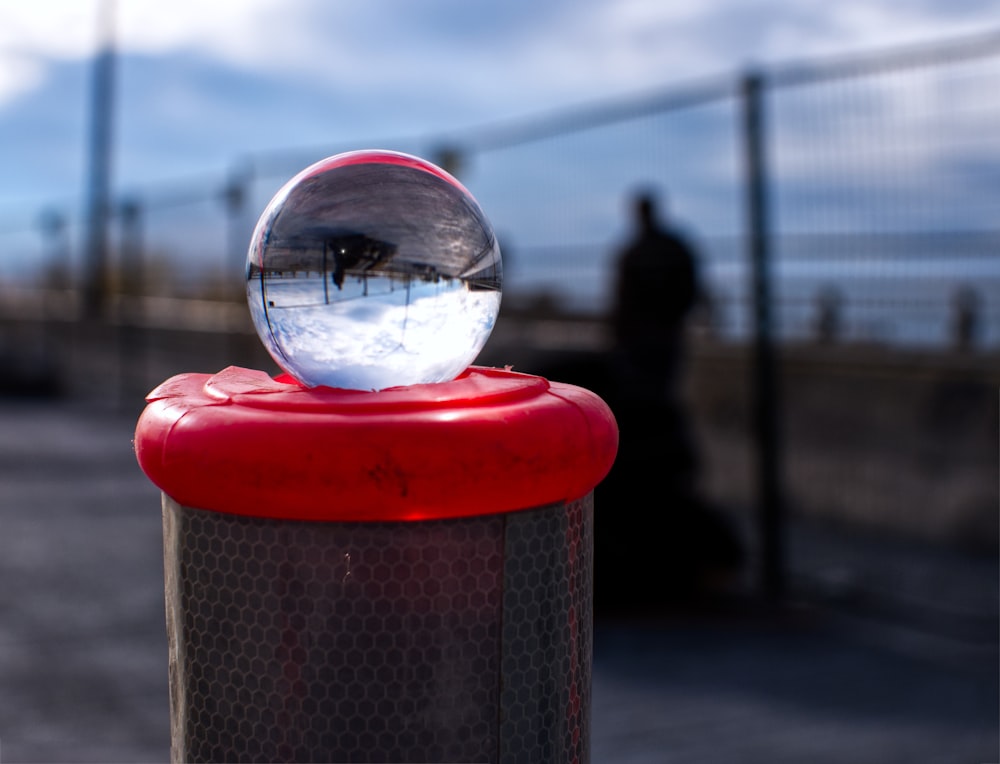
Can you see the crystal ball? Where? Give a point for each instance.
(373, 269)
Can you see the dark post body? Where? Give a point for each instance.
(765, 387)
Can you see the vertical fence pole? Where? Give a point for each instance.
(55, 229)
(236, 198)
(765, 387)
(132, 337)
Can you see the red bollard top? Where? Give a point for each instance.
(490, 441)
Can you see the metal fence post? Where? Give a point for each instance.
(131, 329)
(55, 230)
(236, 196)
(765, 384)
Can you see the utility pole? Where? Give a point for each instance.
(99, 168)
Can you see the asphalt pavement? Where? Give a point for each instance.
(885, 651)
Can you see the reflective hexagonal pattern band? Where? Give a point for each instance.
(462, 640)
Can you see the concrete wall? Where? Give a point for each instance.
(897, 441)
(901, 442)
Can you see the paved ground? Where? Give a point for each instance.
(888, 654)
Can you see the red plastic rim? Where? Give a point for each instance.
(491, 441)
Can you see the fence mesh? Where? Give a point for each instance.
(882, 173)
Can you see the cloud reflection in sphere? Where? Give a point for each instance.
(373, 269)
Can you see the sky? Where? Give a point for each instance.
(200, 84)
(203, 89)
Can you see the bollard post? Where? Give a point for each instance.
(399, 576)
(380, 555)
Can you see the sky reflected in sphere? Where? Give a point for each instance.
(373, 269)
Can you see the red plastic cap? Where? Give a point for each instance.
(490, 441)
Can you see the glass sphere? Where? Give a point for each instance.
(373, 269)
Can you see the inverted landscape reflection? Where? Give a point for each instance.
(372, 270)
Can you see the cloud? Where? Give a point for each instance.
(36, 35)
(19, 74)
(202, 82)
(237, 31)
(506, 56)
(31, 36)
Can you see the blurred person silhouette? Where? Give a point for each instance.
(967, 310)
(656, 291)
(829, 321)
(657, 540)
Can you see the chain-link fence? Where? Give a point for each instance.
(865, 208)
(881, 173)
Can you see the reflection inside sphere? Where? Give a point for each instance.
(371, 270)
